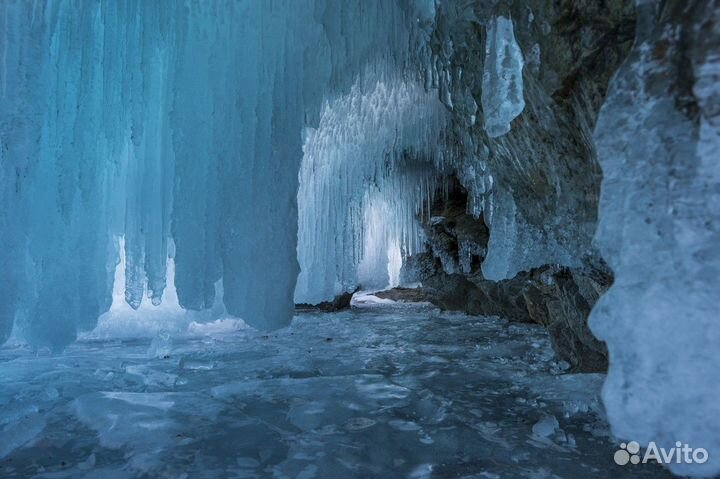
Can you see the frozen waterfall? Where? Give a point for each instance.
(182, 121)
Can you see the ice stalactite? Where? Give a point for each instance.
(658, 137)
(239, 82)
(56, 179)
(502, 86)
(369, 168)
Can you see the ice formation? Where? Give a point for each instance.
(660, 230)
(126, 119)
(502, 86)
(157, 121)
(368, 170)
(385, 138)
(216, 128)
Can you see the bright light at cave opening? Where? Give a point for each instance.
(395, 263)
(147, 319)
(382, 259)
(167, 317)
(169, 302)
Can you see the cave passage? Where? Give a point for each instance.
(359, 238)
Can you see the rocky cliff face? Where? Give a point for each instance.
(536, 185)
(524, 82)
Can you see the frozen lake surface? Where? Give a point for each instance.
(358, 394)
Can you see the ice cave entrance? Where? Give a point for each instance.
(368, 173)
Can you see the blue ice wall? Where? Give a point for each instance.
(167, 122)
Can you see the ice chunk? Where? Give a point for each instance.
(659, 230)
(546, 426)
(502, 86)
(161, 346)
(515, 245)
(20, 431)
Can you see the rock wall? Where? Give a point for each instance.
(523, 82)
(536, 183)
(558, 297)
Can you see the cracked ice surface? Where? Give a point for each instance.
(353, 394)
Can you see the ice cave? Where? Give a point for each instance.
(300, 239)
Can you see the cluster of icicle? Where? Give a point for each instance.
(368, 172)
(252, 141)
(167, 122)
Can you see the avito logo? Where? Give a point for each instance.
(680, 454)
